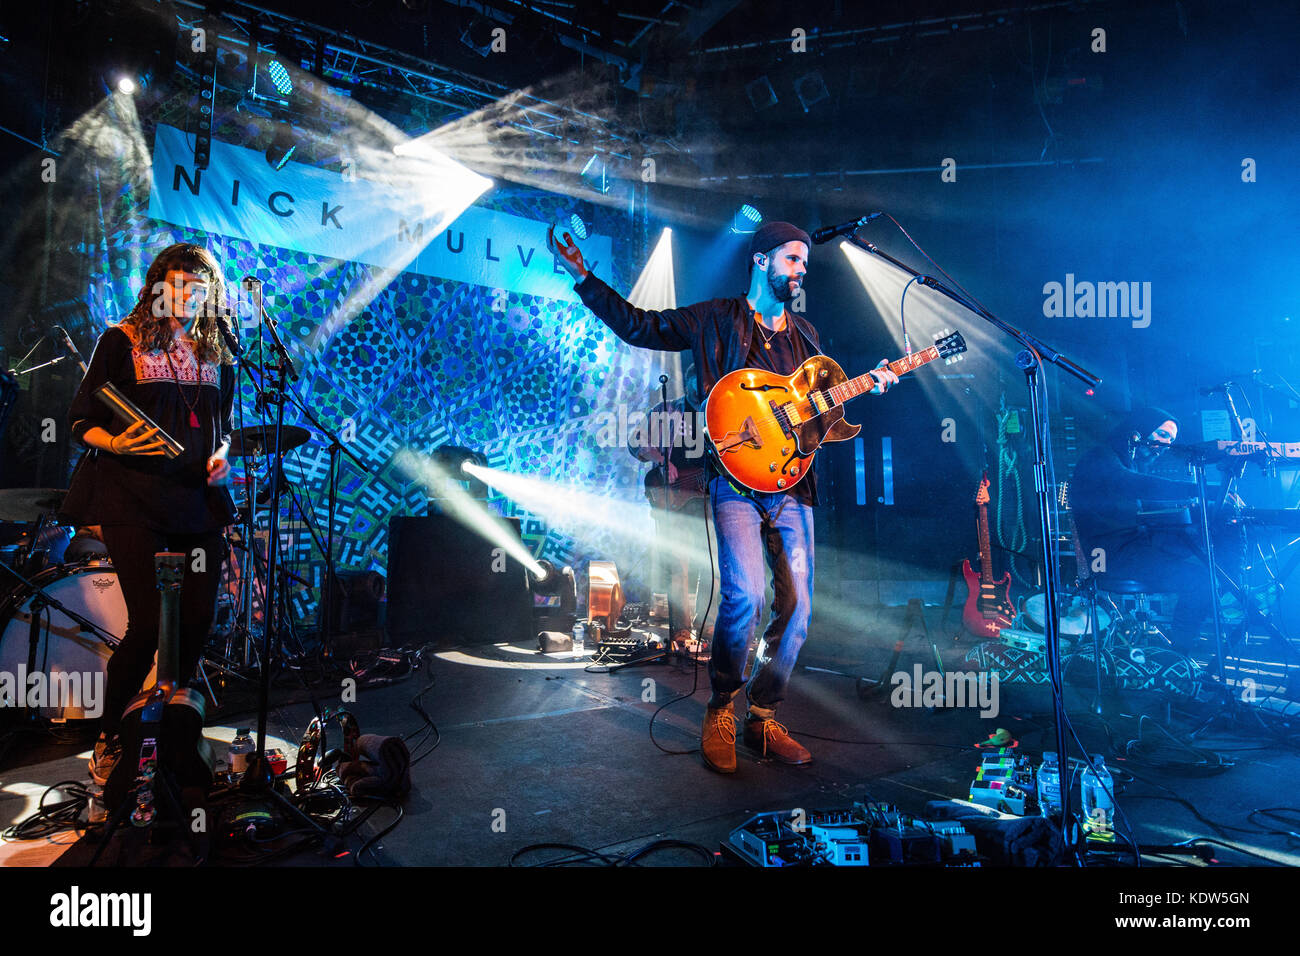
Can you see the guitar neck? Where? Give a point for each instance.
(900, 367)
(986, 552)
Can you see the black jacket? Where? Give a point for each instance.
(718, 332)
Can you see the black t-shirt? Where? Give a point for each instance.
(786, 354)
(160, 493)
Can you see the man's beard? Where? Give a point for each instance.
(780, 286)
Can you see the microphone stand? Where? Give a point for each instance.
(326, 623)
(1030, 360)
(258, 779)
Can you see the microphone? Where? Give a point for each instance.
(827, 233)
(1212, 389)
(59, 334)
(229, 336)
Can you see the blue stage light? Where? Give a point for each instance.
(280, 77)
(746, 220)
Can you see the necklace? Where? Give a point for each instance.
(767, 339)
(198, 387)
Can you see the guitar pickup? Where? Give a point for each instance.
(783, 413)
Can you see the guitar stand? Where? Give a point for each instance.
(869, 689)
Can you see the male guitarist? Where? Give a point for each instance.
(755, 330)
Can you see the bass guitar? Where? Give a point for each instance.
(986, 612)
(764, 428)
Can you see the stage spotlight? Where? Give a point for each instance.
(478, 34)
(746, 220)
(548, 578)
(458, 464)
(760, 93)
(282, 148)
(596, 174)
(578, 227)
(126, 85)
(811, 89)
(558, 589)
(280, 77)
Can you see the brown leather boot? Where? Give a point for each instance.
(718, 739)
(767, 737)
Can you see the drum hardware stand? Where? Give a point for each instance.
(1226, 701)
(1030, 360)
(259, 780)
(325, 623)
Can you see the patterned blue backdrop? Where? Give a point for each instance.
(426, 362)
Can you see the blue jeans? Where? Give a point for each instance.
(751, 528)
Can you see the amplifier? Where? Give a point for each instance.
(448, 586)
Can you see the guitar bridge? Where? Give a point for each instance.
(747, 435)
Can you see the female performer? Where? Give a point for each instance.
(166, 356)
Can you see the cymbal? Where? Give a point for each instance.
(247, 442)
(28, 504)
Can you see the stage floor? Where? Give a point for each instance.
(535, 749)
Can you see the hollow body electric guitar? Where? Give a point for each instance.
(764, 428)
(987, 611)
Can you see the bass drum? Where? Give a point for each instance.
(91, 590)
(1072, 613)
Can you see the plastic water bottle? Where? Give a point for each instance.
(1098, 790)
(579, 639)
(240, 747)
(1049, 785)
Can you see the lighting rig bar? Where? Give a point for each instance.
(894, 32)
(353, 59)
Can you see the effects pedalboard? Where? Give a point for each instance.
(627, 646)
(866, 834)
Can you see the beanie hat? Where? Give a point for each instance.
(773, 234)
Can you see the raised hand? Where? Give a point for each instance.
(569, 254)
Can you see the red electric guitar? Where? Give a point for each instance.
(986, 613)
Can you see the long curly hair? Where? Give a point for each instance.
(150, 319)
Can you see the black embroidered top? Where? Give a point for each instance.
(153, 491)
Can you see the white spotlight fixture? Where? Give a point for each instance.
(125, 85)
(746, 220)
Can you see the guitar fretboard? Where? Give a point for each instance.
(864, 383)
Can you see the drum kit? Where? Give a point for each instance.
(61, 606)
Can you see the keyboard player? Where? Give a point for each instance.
(1128, 513)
